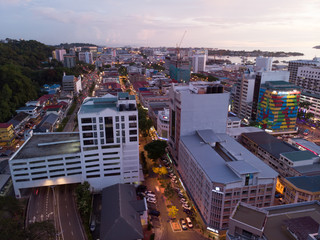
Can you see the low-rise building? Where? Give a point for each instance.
(301, 189)
(122, 215)
(7, 135)
(31, 110)
(285, 222)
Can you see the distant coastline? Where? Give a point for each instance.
(254, 53)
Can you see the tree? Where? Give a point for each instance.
(168, 191)
(41, 231)
(156, 149)
(144, 122)
(83, 196)
(173, 211)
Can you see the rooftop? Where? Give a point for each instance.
(5, 125)
(308, 183)
(278, 215)
(119, 214)
(276, 221)
(204, 147)
(270, 143)
(279, 85)
(57, 144)
(250, 215)
(311, 146)
(299, 156)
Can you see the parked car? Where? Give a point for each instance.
(154, 213)
(152, 195)
(190, 225)
(183, 224)
(151, 200)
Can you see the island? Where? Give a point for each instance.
(317, 47)
(254, 53)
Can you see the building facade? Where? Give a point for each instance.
(86, 57)
(198, 106)
(69, 60)
(278, 106)
(163, 124)
(198, 63)
(104, 152)
(7, 134)
(58, 54)
(218, 173)
(293, 68)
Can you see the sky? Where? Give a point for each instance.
(233, 24)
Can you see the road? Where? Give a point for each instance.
(41, 206)
(70, 223)
(70, 124)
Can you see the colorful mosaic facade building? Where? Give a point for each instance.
(278, 106)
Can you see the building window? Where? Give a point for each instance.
(132, 118)
(86, 120)
(122, 118)
(108, 129)
(87, 128)
(133, 125)
(100, 120)
(88, 142)
(133, 132)
(133, 139)
(87, 135)
(117, 118)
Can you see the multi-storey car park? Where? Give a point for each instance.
(104, 152)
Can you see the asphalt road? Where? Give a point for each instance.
(40, 205)
(69, 221)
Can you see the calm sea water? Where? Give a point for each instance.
(309, 53)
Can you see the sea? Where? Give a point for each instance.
(309, 54)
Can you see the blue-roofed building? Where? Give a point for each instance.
(302, 189)
(218, 172)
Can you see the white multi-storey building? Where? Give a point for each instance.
(263, 64)
(197, 106)
(198, 63)
(108, 129)
(104, 152)
(308, 78)
(86, 57)
(163, 123)
(314, 101)
(294, 66)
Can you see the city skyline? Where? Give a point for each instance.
(286, 25)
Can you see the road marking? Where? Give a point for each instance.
(69, 223)
(71, 233)
(67, 214)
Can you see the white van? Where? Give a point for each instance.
(189, 222)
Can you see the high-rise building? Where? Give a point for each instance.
(71, 84)
(109, 137)
(278, 106)
(198, 63)
(69, 60)
(86, 57)
(263, 64)
(308, 78)
(294, 65)
(197, 106)
(58, 54)
(104, 152)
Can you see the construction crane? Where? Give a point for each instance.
(178, 46)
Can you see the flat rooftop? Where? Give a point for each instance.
(299, 156)
(279, 215)
(308, 183)
(47, 144)
(310, 146)
(270, 143)
(208, 149)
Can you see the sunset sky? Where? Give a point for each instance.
(272, 24)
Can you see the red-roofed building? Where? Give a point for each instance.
(45, 99)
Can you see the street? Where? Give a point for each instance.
(70, 224)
